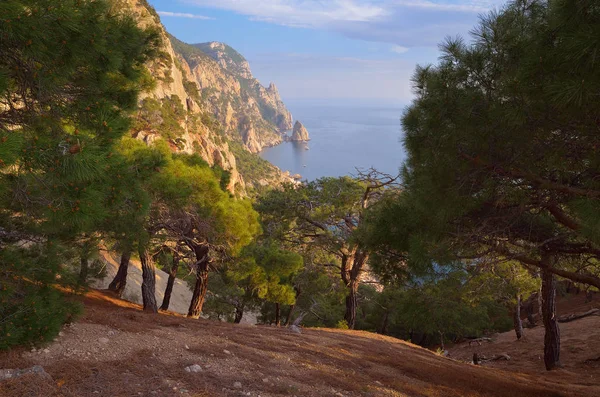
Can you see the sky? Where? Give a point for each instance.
(344, 50)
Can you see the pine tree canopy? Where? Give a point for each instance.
(503, 142)
(70, 74)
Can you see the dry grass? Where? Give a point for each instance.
(147, 354)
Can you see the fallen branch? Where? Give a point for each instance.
(479, 359)
(479, 340)
(573, 317)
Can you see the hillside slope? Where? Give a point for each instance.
(580, 345)
(200, 106)
(117, 350)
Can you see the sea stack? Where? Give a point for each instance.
(300, 133)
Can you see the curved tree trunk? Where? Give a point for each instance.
(518, 324)
(239, 313)
(352, 266)
(288, 319)
(119, 283)
(351, 304)
(148, 281)
(552, 331)
(170, 283)
(383, 328)
(201, 286)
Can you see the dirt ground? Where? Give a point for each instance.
(580, 347)
(117, 350)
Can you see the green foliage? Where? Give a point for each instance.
(165, 116)
(70, 73)
(32, 309)
(251, 166)
(342, 324)
(497, 167)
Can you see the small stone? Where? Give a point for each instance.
(226, 352)
(46, 351)
(103, 340)
(265, 380)
(378, 383)
(237, 385)
(187, 347)
(111, 333)
(193, 368)
(61, 333)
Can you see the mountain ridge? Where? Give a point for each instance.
(205, 106)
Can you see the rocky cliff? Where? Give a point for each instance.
(300, 133)
(203, 101)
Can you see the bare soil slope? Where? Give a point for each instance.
(116, 350)
(580, 347)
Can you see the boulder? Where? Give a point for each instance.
(300, 133)
(16, 373)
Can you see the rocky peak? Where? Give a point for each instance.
(300, 133)
(273, 89)
(228, 58)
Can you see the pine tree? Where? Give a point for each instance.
(502, 144)
(70, 72)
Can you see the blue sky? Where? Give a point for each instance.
(353, 50)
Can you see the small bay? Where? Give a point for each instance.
(343, 138)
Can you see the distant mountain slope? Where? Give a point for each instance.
(249, 112)
(199, 106)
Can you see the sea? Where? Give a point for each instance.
(343, 139)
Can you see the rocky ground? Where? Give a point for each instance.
(117, 350)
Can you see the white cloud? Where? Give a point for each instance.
(473, 6)
(398, 49)
(301, 13)
(182, 15)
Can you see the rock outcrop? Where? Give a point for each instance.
(220, 100)
(300, 133)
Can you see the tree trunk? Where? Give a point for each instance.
(288, 319)
(517, 318)
(443, 347)
(277, 315)
(148, 281)
(383, 329)
(552, 334)
(201, 286)
(540, 301)
(170, 283)
(529, 311)
(351, 304)
(83, 270)
(352, 265)
(239, 313)
(120, 281)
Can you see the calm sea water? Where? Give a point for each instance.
(343, 137)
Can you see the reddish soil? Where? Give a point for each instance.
(117, 350)
(580, 348)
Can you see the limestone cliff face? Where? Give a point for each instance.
(270, 118)
(215, 104)
(300, 133)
